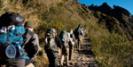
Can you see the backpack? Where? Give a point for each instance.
(64, 39)
(10, 34)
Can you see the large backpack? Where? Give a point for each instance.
(10, 33)
(51, 41)
(10, 26)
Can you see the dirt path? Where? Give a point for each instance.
(85, 57)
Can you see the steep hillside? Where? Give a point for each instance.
(118, 24)
(111, 35)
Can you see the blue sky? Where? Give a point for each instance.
(127, 4)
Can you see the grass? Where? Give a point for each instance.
(111, 49)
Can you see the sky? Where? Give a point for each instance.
(127, 4)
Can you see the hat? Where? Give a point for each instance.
(28, 24)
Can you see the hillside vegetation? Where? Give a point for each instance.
(111, 36)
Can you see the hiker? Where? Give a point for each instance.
(31, 42)
(79, 34)
(11, 39)
(66, 46)
(52, 47)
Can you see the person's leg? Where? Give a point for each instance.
(67, 57)
(70, 53)
(59, 56)
(62, 60)
(57, 59)
(78, 45)
(80, 42)
(54, 60)
(51, 58)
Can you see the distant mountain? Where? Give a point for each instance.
(115, 19)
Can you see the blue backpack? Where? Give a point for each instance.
(12, 34)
